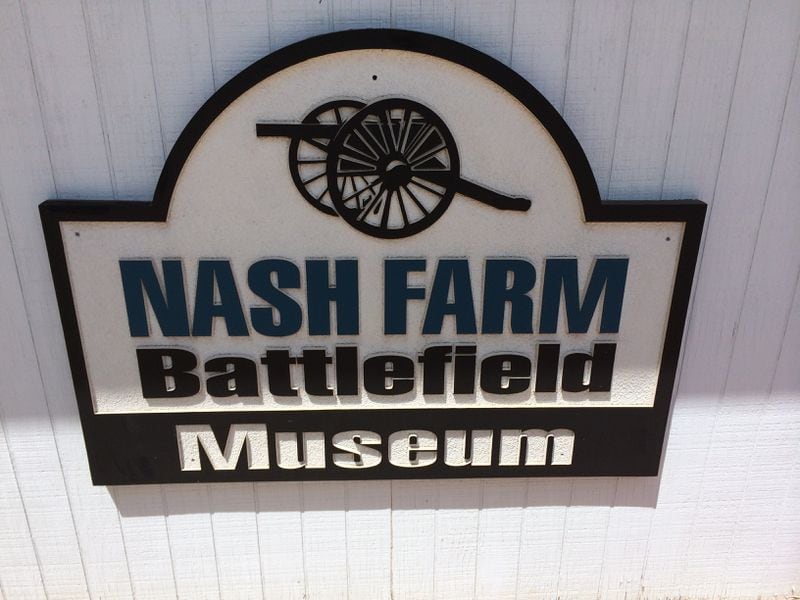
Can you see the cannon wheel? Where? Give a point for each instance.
(392, 168)
(308, 157)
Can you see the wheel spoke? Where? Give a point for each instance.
(415, 181)
(375, 155)
(363, 189)
(369, 157)
(309, 161)
(427, 155)
(355, 159)
(414, 141)
(409, 119)
(359, 173)
(422, 139)
(416, 200)
(317, 144)
(387, 207)
(307, 181)
(395, 143)
(382, 147)
(383, 136)
(353, 185)
(402, 204)
(322, 195)
(370, 204)
(338, 115)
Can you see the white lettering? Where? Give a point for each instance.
(412, 448)
(536, 441)
(192, 437)
(455, 448)
(287, 453)
(357, 452)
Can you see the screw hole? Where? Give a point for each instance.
(77, 234)
(374, 78)
(669, 239)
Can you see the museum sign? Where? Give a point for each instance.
(373, 254)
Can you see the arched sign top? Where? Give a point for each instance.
(396, 39)
(295, 281)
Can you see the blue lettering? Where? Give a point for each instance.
(451, 273)
(344, 295)
(288, 313)
(169, 304)
(496, 295)
(216, 275)
(608, 274)
(397, 293)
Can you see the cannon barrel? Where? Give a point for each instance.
(492, 198)
(479, 193)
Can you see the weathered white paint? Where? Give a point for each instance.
(698, 98)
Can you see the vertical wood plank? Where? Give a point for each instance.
(542, 537)
(20, 574)
(239, 32)
(583, 550)
(705, 90)
(781, 573)
(191, 541)
(369, 539)
(325, 539)
(413, 539)
(598, 50)
(360, 14)
(129, 111)
(628, 530)
(455, 550)
(294, 20)
(146, 540)
(280, 529)
(437, 18)
(487, 26)
(66, 87)
(499, 538)
(181, 51)
(236, 540)
(652, 70)
(540, 46)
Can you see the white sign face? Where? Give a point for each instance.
(373, 254)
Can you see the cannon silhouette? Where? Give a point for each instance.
(389, 168)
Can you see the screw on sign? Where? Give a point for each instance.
(389, 168)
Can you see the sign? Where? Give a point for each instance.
(373, 254)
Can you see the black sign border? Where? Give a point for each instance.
(634, 441)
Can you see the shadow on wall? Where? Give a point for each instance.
(163, 500)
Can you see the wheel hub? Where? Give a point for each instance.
(397, 174)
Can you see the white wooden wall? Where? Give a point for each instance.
(678, 98)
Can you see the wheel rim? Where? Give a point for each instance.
(392, 168)
(308, 158)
